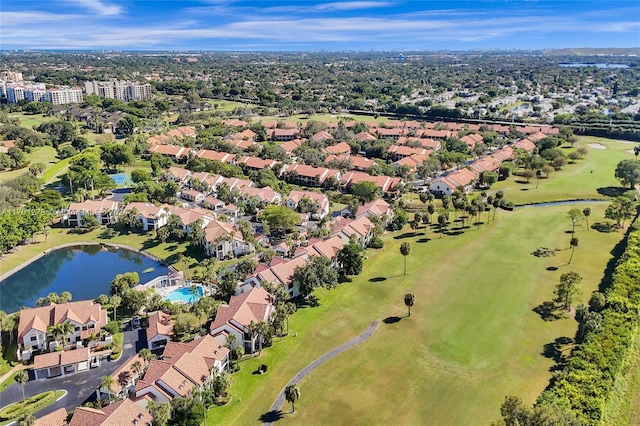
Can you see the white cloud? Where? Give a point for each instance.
(352, 5)
(99, 6)
(278, 30)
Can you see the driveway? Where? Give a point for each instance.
(81, 387)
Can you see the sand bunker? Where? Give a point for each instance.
(597, 146)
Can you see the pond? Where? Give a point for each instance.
(84, 271)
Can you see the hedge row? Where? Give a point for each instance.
(585, 385)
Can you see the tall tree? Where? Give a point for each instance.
(409, 301)
(405, 249)
(597, 301)
(115, 301)
(442, 222)
(573, 243)
(586, 212)
(21, 378)
(575, 216)
(107, 382)
(567, 288)
(349, 259)
(292, 394)
(628, 172)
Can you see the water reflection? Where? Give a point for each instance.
(85, 271)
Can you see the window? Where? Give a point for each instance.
(77, 328)
(34, 338)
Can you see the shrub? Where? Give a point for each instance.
(112, 327)
(587, 382)
(376, 243)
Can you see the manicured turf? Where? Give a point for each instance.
(29, 121)
(574, 180)
(472, 337)
(44, 154)
(325, 118)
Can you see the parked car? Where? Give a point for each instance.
(135, 322)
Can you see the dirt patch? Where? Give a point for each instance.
(597, 146)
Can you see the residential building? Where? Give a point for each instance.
(320, 200)
(177, 153)
(222, 240)
(55, 418)
(339, 148)
(149, 215)
(255, 305)
(361, 229)
(302, 174)
(105, 212)
(279, 274)
(385, 183)
(86, 317)
(264, 195)
(379, 208)
(124, 378)
(125, 412)
(192, 195)
(123, 90)
(64, 95)
(61, 363)
(159, 331)
(447, 185)
(183, 368)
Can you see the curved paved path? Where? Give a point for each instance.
(277, 404)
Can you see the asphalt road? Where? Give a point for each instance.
(81, 387)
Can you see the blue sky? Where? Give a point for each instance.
(314, 25)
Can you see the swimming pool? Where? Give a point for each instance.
(184, 295)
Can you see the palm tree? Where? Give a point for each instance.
(409, 300)
(292, 394)
(252, 327)
(587, 212)
(137, 366)
(107, 382)
(263, 330)
(146, 355)
(66, 328)
(22, 378)
(194, 292)
(115, 302)
(582, 313)
(573, 243)
(405, 249)
(56, 332)
(442, 222)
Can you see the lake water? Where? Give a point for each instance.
(84, 271)
(580, 65)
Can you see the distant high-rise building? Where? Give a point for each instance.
(11, 76)
(116, 89)
(65, 95)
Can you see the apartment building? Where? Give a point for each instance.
(116, 89)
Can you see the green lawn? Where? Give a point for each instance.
(574, 180)
(43, 154)
(325, 118)
(27, 120)
(472, 337)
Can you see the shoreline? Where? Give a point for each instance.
(23, 265)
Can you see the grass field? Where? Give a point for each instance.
(27, 120)
(574, 180)
(44, 154)
(472, 337)
(325, 118)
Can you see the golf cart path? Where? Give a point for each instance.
(277, 404)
